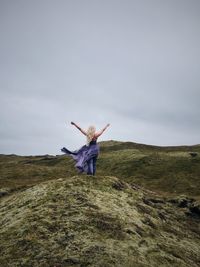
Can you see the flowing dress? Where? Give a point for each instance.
(83, 155)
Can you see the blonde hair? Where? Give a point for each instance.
(90, 133)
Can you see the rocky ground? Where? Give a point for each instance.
(97, 221)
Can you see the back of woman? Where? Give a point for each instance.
(87, 155)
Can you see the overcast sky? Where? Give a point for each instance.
(134, 64)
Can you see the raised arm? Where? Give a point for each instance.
(73, 123)
(100, 132)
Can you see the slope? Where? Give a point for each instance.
(97, 221)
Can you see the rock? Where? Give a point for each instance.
(4, 192)
(182, 201)
(193, 154)
(71, 261)
(119, 185)
(195, 208)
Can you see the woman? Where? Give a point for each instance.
(87, 155)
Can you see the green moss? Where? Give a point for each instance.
(95, 221)
(55, 217)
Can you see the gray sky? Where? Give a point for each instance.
(133, 64)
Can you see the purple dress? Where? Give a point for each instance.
(83, 155)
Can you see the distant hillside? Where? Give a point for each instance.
(172, 169)
(167, 170)
(96, 221)
(118, 145)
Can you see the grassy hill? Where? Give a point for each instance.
(164, 169)
(141, 209)
(97, 221)
(168, 170)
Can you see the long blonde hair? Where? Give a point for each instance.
(90, 133)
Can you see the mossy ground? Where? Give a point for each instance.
(50, 216)
(95, 221)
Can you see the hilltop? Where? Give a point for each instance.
(97, 221)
